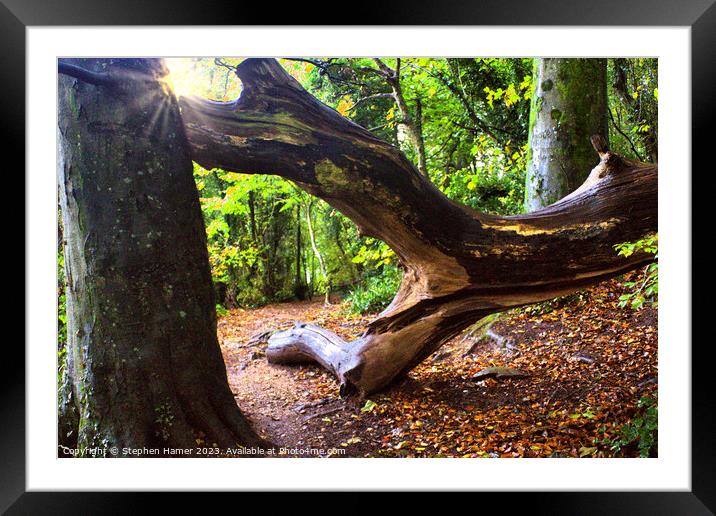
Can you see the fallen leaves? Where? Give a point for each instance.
(588, 362)
(499, 372)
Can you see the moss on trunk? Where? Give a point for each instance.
(568, 106)
(144, 368)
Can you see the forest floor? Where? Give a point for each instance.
(588, 363)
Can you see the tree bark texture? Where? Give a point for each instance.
(568, 106)
(144, 364)
(459, 264)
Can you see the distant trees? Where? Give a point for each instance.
(462, 121)
(633, 107)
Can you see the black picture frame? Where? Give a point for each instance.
(700, 15)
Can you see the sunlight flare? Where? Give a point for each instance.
(201, 77)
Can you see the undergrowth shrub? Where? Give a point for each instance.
(640, 433)
(644, 290)
(376, 292)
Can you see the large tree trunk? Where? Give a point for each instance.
(568, 106)
(144, 364)
(460, 265)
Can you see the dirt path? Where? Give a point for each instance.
(281, 400)
(588, 363)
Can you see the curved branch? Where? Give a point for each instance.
(626, 137)
(371, 97)
(85, 75)
(325, 67)
(460, 264)
(386, 71)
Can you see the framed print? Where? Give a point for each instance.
(430, 233)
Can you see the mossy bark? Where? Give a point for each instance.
(568, 106)
(460, 265)
(144, 368)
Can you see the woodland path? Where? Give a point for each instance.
(588, 362)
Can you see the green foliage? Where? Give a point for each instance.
(61, 300)
(373, 254)
(376, 292)
(641, 432)
(646, 289)
(474, 119)
(245, 217)
(633, 107)
(493, 182)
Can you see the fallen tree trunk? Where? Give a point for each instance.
(459, 265)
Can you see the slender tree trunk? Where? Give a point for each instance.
(271, 238)
(300, 288)
(253, 269)
(252, 217)
(454, 85)
(317, 252)
(414, 128)
(414, 125)
(419, 140)
(460, 265)
(568, 106)
(352, 270)
(311, 274)
(144, 364)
